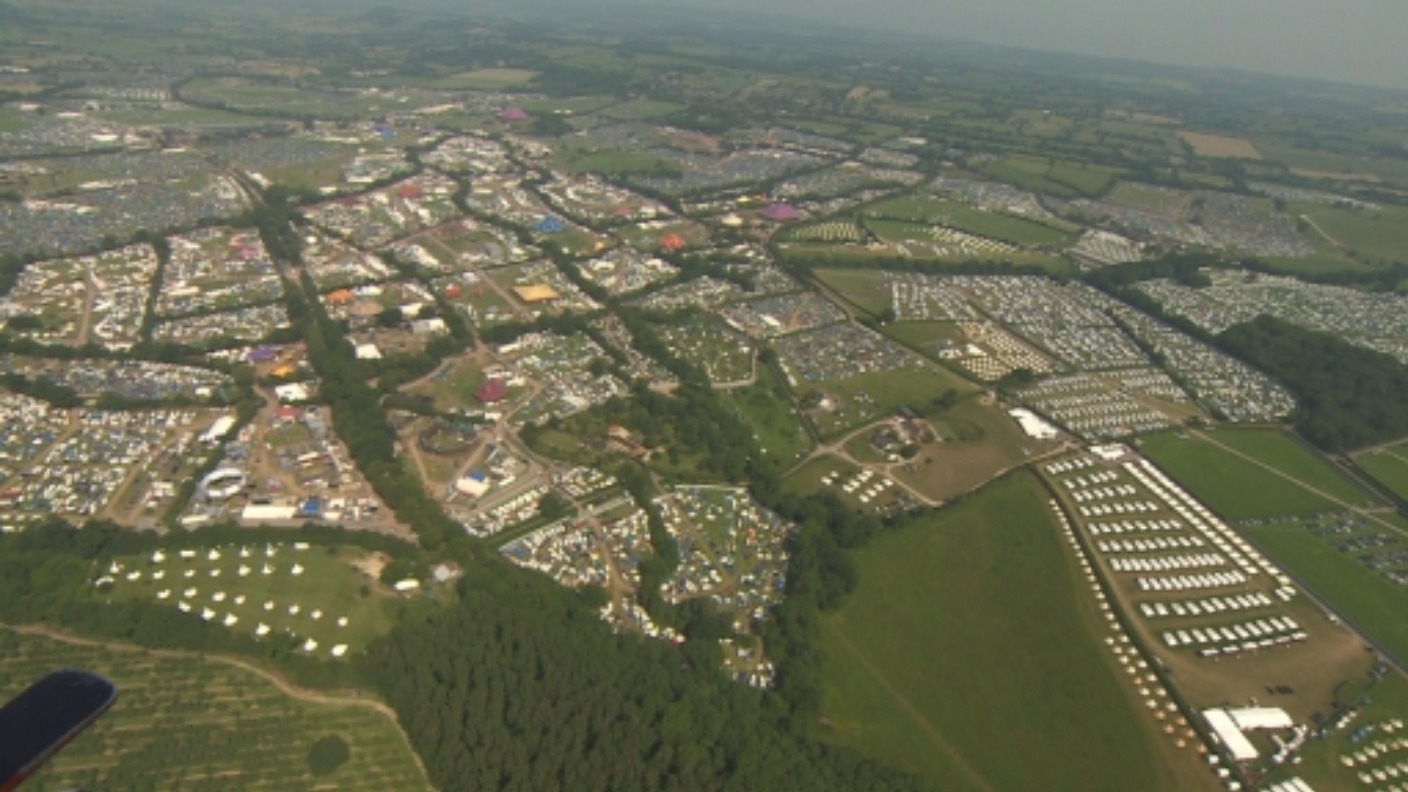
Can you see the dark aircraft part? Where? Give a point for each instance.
(44, 717)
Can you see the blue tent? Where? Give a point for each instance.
(549, 225)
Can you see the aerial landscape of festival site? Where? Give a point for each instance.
(456, 398)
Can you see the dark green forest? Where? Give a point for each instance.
(1350, 397)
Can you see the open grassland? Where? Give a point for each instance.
(1140, 196)
(865, 397)
(863, 288)
(970, 624)
(924, 337)
(1388, 466)
(1330, 167)
(994, 225)
(1230, 485)
(780, 430)
(1220, 146)
(186, 722)
(1375, 233)
(1372, 603)
(486, 79)
(1057, 177)
(1282, 451)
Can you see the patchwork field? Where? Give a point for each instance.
(187, 722)
(940, 650)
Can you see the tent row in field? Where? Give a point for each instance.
(1103, 493)
(1133, 526)
(1146, 545)
(1155, 695)
(1191, 582)
(1235, 633)
(1130, 507)
(1206, 606)
(1070, 465)
(1168, 563)
(1225, 539)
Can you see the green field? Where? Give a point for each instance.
(1003, 227)
(1051, 176)
(1389, 466)
(941, 664)
(865, 397)
(1374, 604)
(486, 79)
(863, 288)
(780, 430)
(326, 584)
(1297, 460)
(187, 722)
(1375, 233)
(1139, 196)
(924, 336)
(1228, 484)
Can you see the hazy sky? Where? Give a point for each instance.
(1363, 41)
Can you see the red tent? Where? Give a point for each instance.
(780, 212)
(672, 242)
(514, 114)
(492, 391)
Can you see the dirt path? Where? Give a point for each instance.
(1311, 222)
(278, 680)
(943, 745)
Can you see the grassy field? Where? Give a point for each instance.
(1373, 603)
(486, 79)
(779, 428)
(863, 288)
(1228, 484)
(186, 722)
(1051, 176)
(941, 649)
(1219, 146)
(1139, 196)
(924, 336)
(865, 397)
(1389, 466)
(1283, 452)
(1376, 233)
(326, 584)
(1003, 227)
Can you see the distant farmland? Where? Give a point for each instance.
(1219, 146)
